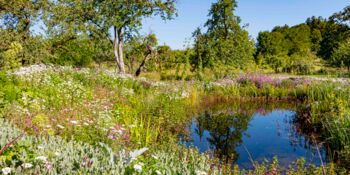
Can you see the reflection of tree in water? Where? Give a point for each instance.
(299, 138)
(226, 132)
(307, 139)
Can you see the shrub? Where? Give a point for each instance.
(10, 57)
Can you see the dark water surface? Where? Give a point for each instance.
(240, 135)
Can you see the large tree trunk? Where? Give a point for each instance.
(118, 49)
(115, 48)
(120, 46)
(26, 34)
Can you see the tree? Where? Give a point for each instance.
(65, 20)
(68, 18)
(149, 43)
(318, 28)
(272, 48)
(288, 49)
(228, 41)
(199, 42)
(164, 55)
(134, 51)
(334, 34)
(341, 55)
(271, 43)
(78, 52)
(16, 19)
(20, 15)
(125, 18)
(337, 31)
(343, 16)
(141, 49)
(299, 38)
(222, 20)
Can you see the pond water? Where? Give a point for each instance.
(239, 136)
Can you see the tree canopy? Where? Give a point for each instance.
(226, 42)
(341, 55)
(297, 48)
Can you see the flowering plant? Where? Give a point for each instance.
(259, 80)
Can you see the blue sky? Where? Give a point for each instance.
(259, 14)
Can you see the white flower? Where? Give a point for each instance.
(120, 132)
(40, 147)
(42, 158)
(198, 172)
(57, 154)
(27, 165)
(6, 170)
(132, 126)
(111, 137)
(185, 94)
(158, 172)
(74, 122)
(60, 126)
(138, 167)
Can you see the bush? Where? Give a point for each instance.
(11, 57)
(77, 53)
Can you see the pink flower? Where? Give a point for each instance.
(258, 79)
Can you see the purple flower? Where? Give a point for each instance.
(258, 79)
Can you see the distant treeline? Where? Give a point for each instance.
(297, 48)
(82, 33)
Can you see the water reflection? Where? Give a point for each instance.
(225, 132)
(236, 135)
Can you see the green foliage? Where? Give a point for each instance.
(34, 49)
(225, 42)
(10, 58)
(300, 45)
(341, 55)
(165, 58)
(8, 38)
(20, 15)
(343, 16)
(134, 51)
(332, 36)
(288, 49)
(78, 52)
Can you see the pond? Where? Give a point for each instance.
(242, 134)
